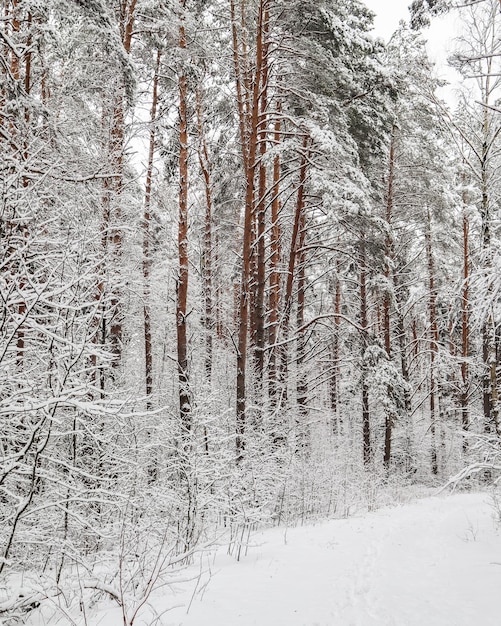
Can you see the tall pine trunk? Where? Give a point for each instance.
(389, 416)
(249, 125)
(112, 314)
(334, 379)
(366, 417)
(291, 267)
(204, 162)
(260, 218)
(302, 380)
(275, 257)
(465, 329)
(432, 312)
(182, 281)
(489, 379)
(148, 354)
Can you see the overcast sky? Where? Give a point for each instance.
(388, 14)
(439, 35)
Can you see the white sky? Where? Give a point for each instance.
(388, 14)
(440, 36)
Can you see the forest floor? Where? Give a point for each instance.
(434, 562)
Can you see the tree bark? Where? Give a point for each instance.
(204, 162)
(148, 354)
(489, 379)
(432, 312)
(112, 320)
(389, 416)
(366, 418)
(260, 216)
(249, 151)
(182, 282)
(15, 69)
(275, 247)
(303, 433)
(404, 366)
(465, 329)
(335, 370)
(291, 268)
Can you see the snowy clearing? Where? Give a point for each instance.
(436, 562)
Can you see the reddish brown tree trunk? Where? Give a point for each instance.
(242, 96)
(182, 283)
(115, 232)
(293, 255)
(389, 416)
(218, 291)
(15, 64)
(259, 302)
(433, 345)
(465, 329)
(249, 152)
(112, 319)
(335, 370)
(302, 380)
(16, 135)
(148, 354)
(203, 158)
(404, 365)
(127, 14)
(415, 339)
(275, 247)
(366, 418)
(489, 378)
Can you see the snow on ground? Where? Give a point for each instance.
(436, 562)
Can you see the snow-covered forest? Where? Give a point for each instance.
(250, 276)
